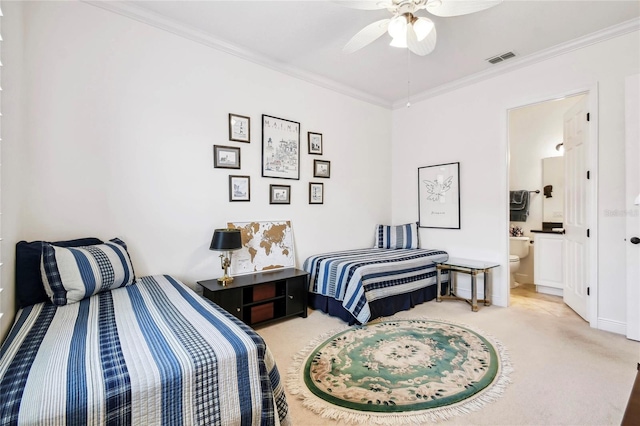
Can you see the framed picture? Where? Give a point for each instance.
(280, 148)
(226, 157)
(239, 188)
(239, 128)
(316, 193)
(279, 194)
(315, 143)
(321, 169)
(439, 196)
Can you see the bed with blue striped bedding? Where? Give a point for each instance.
(151, 353)
(358, 278)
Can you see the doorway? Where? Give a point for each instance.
(536, 139)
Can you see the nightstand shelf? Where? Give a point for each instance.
(262, 297)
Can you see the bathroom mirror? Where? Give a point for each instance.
(553, 189)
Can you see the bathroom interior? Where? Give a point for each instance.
(536, 200)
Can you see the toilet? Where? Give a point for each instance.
(518, 249)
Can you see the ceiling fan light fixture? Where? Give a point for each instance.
(399, 41)
(398, 27)
(422, 27)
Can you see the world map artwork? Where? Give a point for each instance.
(265, 246)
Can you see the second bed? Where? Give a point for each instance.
(361, 285)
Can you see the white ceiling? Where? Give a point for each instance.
(305, 38)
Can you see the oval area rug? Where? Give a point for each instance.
(398, 372)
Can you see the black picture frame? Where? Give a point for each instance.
(280, 148)
(239, 128)
(315, 143)
(321, 169)
(439, 196)
(316, 193)
(226, 157)
(279, 194)
(239, 188)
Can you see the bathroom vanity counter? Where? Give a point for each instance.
(547, 231)
(549, 228)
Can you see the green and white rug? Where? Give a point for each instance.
(399, 372)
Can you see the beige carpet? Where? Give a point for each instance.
(566, 373)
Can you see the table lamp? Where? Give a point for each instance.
(226, 240)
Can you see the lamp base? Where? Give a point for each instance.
(224, 280)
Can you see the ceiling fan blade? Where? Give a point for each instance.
(447, 8)
(366, 35)
(424, 47)
(365, 4)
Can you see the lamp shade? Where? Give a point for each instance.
(398, 27)
(422, 27)
(226, 239)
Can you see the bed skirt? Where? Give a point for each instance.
(379, 308)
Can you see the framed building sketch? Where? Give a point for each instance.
(279, 194)
(239, 128)
(239, 188)
(280, 148)
(316, 193)
(321, 168)
(315, 143)
(226, 157)
(439, 196)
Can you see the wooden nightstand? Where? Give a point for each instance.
(262, 297)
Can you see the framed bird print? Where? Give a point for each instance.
(439, 196)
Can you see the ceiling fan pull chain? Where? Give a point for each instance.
(408, 78)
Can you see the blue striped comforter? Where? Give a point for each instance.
(150, 353)
(357, 277)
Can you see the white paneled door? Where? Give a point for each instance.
(632, 210)
(576, 137)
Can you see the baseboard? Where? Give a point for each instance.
(549, 290)
(612, 326)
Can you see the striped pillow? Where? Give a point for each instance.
(397, 237)
(72, 274)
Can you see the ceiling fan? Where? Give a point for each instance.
(417, 33)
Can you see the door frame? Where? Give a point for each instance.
(592, 191)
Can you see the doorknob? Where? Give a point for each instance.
(635, 240)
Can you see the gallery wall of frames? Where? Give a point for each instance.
(281, 157)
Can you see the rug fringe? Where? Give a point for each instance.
(295, 386)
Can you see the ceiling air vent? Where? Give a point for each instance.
(500, 58)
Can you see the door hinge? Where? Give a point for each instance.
(588, 116)
(588, 174)
(588, 233)
(588, 291)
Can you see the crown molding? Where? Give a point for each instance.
(147, 17)
(560, 49)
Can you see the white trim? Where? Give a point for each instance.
(542, 289)
(592, 208)
(611, 326)
(150, 18)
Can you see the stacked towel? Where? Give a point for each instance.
(519, 205)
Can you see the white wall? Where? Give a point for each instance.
(13, 154)
(534, 132)
(469, 125)
(121, 122)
